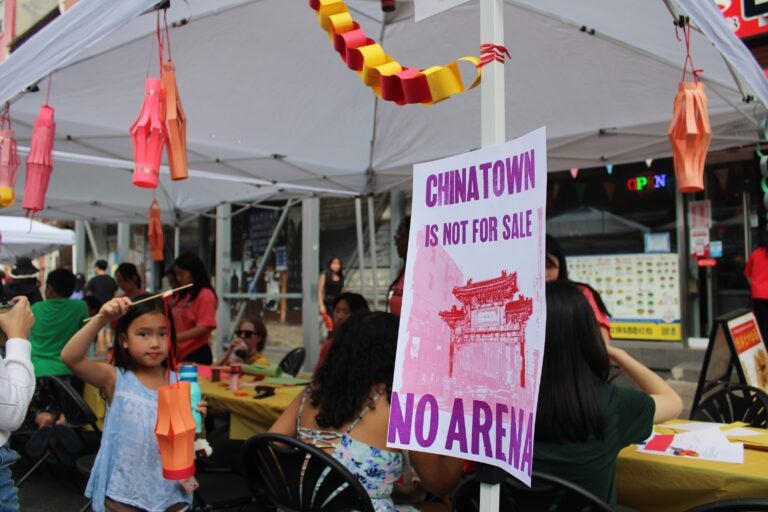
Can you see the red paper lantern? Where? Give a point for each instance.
(175, 431)
(39, 161)
(155, 231)
(148, 136)
(690, 134)
(177, 124)
(9, 161)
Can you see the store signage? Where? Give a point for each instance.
(644, 182)
(751, 350)
(745, 17)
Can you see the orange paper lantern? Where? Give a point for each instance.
(39, 161)
(690, 134)
(175, 431)
(177, 124)
(9, 161)
(148, 136)
(155, 231)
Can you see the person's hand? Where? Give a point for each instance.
(17, 322)
(115, 308)
(322, 309)
(202, 407)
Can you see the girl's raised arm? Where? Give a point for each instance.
(75, 353)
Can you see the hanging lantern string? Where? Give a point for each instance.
(171, 354)
(167, 33)
(48, 93)
(493, 53)
(686, 26)
(5, 119)
(159, 43)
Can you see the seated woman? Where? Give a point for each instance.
(583, 421)
(248, 344)
(345, 411)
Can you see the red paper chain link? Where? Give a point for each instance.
(493, 52)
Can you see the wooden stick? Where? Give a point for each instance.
(152, 297)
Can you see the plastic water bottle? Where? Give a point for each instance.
(188, 373)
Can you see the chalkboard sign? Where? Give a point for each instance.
(735, 343)
(262, 223)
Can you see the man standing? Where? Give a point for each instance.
(102, 286)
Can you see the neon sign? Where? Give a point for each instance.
(644, 182)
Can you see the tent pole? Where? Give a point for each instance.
(123, 241)
(372, 243)
(222, 271)
(310, 273)
(176, 240)
(360, 242)
(79, 250)
(492, 131)
(92, 240)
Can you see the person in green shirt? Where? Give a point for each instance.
(582, 420)
(57, 319)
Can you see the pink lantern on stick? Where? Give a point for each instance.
(148, 136)
(9, 161)
(39, 161)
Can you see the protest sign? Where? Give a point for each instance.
(471, 337)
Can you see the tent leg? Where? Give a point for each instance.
(123, 241)
(372, 244)
(222, 270)
(310, 273)
(176, 240)
(360, 243)
(78, 254)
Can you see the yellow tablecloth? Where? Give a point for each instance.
(249, 415)
(656, 483)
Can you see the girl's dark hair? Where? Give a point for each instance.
(129, 272)
(362, 355)
(200, 278)
(341, 265)
(355, 301)
(259, 328)
(122, 357)
(574, 371)
(555, 255)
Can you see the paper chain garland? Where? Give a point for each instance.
(389, 80)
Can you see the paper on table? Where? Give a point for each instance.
(730, 431)
(707, 444)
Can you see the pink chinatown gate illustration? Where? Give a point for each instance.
(489, 313)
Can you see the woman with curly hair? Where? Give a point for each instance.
(345, 411)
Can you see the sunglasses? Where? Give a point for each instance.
(244, 334)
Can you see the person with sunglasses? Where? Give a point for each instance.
(248, 344)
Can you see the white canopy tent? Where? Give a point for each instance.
(25, 237)
(271, 104)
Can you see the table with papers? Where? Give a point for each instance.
(251, 415)
(675, 475)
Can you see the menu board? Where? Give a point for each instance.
(641, 292)
(751, 351)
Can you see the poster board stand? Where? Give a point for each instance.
(735, 348)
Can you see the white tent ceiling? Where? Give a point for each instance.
(24, 237)
(270, 102)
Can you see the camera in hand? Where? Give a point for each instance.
(241, 353)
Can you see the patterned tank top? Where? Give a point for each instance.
(376, 469)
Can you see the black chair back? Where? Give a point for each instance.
(546, 494)
(738, 505)
(734, 402)
(73, 406)
(292, 361)
(292, 476)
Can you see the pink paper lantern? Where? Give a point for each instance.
(39, 161)
(9, 165)
(148, 136)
